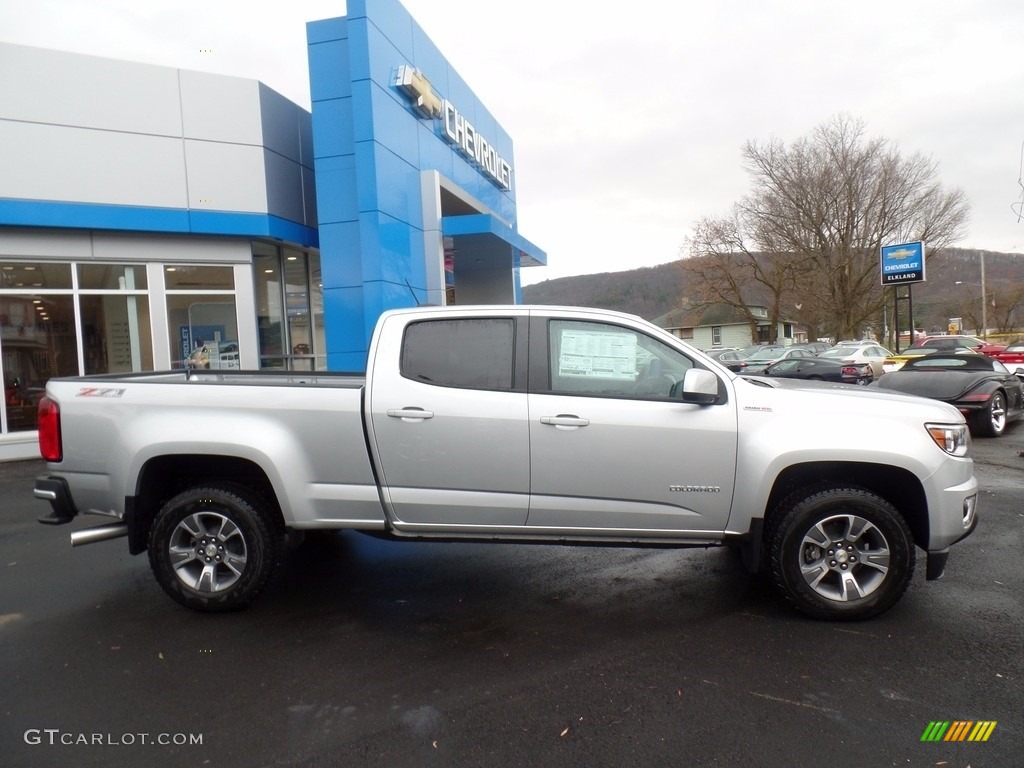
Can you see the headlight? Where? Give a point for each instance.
(954, 439)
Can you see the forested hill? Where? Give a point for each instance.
(652, 291)
(648, 292)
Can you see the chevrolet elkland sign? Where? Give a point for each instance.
(903, 263)
(455, 128)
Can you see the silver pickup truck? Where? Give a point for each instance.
(529, 424)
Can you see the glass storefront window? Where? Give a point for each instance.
(269, 306)
(116, 336)
(199, 277)
(289, 308)
(26, 276)
(296, 282)
(112, 277)
(203, 331)
(37, 342)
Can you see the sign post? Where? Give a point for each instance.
(902, 264)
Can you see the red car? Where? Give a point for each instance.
(1013, 356)
(952, 343)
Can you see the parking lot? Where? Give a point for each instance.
(372, 653)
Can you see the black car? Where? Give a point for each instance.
(980, 387)
(818, 369)
(765, 356)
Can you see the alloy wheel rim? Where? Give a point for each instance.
(208, 552)
(844, 557)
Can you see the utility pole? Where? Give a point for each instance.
(984, 301)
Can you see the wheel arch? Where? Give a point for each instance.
(163, 477)
(898, 486)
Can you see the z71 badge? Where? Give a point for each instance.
(99, 392)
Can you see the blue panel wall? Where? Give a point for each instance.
(370, 148)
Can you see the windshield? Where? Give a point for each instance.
(839, 352)
(768, 354)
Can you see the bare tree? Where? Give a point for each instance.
(722, 270)
(826, 204)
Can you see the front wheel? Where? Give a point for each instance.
(991, 422)
(213, 548)
(840, 553)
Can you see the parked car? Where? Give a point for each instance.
(816, 347)
(979, 386)
(866, 352)
(955, 341)
(897, 361)
(765, 356)
(754, 348)
(1013, 356)
(730, 357)
(818, 369)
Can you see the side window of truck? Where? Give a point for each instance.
(469, 353)
(589, 358)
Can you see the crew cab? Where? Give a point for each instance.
(513, 424)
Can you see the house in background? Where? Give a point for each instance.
(720, 325)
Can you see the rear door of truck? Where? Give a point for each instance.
(446, 401)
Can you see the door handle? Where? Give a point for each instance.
(410, 414)
(564, 420)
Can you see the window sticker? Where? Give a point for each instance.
(598, 354)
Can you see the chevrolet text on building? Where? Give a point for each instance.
(455, 128)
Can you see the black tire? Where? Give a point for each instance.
(214, 548)
(840, 553)
(991, 422)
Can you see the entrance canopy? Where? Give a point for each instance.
(483, 241)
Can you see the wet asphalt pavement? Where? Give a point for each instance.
(373, 653)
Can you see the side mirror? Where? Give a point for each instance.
(700, 387)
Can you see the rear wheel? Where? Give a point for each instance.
(991, 422)
(213, 548)
(840, 553)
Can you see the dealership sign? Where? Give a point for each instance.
(455, 128)
(903, 263)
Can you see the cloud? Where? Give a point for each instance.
(628, 121)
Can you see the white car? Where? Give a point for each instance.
(869, 353)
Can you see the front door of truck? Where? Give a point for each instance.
(448, 423)
(610, 447)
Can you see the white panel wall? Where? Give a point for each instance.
(122, 246)
(76, 128)
(84, 165)
(27, 244)
(226, 177)
(43, 86)
(220, 108)
(115, 246)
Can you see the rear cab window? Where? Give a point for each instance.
(468, 353)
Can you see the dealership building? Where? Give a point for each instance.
(154, 218)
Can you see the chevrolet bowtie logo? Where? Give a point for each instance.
(417, 88)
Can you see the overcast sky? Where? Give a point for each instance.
(628, 119)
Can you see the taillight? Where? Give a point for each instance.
(48, 423)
